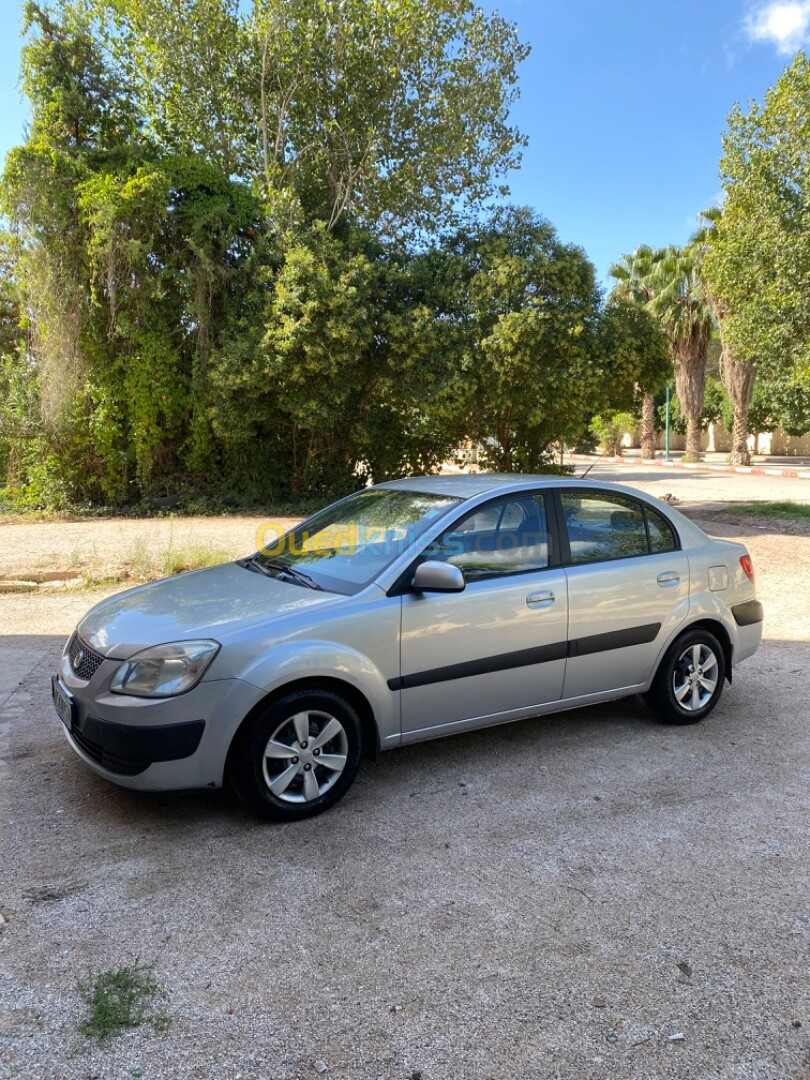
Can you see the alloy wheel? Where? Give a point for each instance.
(694, 679)
(305, 756)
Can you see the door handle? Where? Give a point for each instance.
(540, 599)
(668, 579)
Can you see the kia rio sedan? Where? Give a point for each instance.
(408, 611)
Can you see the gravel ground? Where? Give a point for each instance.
(554, 898)
(108, 546)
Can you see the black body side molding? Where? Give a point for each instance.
(543, 654)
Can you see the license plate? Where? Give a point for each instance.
(63, 703)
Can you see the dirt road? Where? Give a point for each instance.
(557, 898)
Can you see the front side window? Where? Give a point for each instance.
(505, 537)
(603, 527)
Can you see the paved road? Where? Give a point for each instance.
(695, 486)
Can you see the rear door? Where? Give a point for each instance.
(628, 588)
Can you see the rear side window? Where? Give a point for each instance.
(602, 526)
(662, 538)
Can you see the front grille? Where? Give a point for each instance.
(83, 661)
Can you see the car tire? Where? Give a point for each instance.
(279, 768)
(689, 680)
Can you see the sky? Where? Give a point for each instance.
(624, 104)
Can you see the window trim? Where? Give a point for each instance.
(564, 540)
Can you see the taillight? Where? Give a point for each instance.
(748, 566)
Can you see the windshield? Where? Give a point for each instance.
(345, 546)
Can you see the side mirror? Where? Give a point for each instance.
(434, 576)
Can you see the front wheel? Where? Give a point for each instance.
(689, 680)
(299, 757)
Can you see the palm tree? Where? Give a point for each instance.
(738, 375)
(678, 299)
(632, 274)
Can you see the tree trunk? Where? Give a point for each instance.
(690, 381)
(738, 379)
(648, 428)
(693, 437)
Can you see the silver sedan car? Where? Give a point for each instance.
(408, 611)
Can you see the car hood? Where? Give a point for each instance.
(210, 603)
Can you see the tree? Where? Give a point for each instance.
(738, 373)
(758, 257)
(537, 349)
(393, 112)
(347, 372)
(528, 308)
(632, 276)
(679, 301)
(213, 221)
(124, 257)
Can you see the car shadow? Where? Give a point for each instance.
(48, 784)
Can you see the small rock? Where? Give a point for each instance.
(320, 1066)
(796, 1023)
(611, 1037)
(599, 1003)
(2, 921)
(677, 1037)
(416, 1075)
(685, 968)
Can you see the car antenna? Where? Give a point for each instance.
(599, 458)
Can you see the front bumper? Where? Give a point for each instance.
(127, 749)
(164, 744)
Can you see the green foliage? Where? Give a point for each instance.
(394, 111)
(117, 1000)
(758, 258)
(528, 311)
(784, 511)
(668, 283)
(238, 268)
(610, 429)
(634, 351)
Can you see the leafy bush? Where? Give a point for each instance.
(610, 430)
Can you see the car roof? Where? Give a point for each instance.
(467, 486)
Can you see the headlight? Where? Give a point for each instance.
(164, 670)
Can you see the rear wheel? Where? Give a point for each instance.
(299, 757)
(689, 680)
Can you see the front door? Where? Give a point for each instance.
(498, 647)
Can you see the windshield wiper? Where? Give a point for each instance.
(290, 572)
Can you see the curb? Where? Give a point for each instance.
(752, 470)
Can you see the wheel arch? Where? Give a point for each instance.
(358, 701)
(714, 626)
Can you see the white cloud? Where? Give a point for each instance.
(783, 23)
